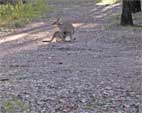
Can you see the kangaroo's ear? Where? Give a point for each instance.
(56, 22)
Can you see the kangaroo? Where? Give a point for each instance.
(59, 36)
(66, 28)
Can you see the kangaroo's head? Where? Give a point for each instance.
(57, 22)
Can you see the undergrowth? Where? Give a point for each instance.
(19, 14)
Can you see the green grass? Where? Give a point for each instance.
(20, 14)
(14, 104)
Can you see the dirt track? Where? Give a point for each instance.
(101, 72)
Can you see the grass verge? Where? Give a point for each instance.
(20, 14)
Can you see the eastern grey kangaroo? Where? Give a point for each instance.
(66, 28)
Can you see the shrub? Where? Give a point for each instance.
(19, 14)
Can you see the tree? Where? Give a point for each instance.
(135, 6)
(129, 7)
(126, 16)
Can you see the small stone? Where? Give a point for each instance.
(83, 100)
(60, 63)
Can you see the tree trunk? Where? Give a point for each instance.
(135, 6)
(126, 17)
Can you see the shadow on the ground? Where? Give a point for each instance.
(39, 33)
(137, 26)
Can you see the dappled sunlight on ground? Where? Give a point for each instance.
(77, 24)
(36, 24)
(107, 2)
(22, 36)
(29, 40)
(33, 34)
(105, 7)
(102, 11)
(12, 38)
(84, 25)
(89, 25)
(110, 7)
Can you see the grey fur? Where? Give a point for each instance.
(66, 28)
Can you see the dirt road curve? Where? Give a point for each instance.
(101, 72)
